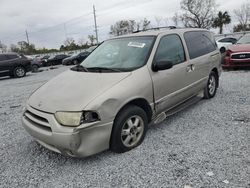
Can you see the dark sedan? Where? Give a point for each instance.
(75, 59)
(55, 60)
(14, 65)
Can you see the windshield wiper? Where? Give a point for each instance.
(104, 69)
(79, 68)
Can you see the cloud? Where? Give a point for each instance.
(44, 19)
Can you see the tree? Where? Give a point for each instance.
(25, 48)
(145, 24)
(14, 48)
(158, 20)
(69, 41)
(222, 19)
(91, 39)
(123, 27)
(3, 47)
(243, 16)
(69, 44)
(198, 13)
(240, 27)
(176, 19)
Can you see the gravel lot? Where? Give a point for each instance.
(205, 145)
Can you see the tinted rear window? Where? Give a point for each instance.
(199, 43)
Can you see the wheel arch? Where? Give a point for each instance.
(215, 70)
(140, 102)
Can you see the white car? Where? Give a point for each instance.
(223, 43)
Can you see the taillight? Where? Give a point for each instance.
(228, 53)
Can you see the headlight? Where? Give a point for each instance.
(74, 119)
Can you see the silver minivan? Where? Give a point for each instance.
(128, 82)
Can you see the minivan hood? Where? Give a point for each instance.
(72, 91)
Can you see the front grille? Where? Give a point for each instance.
(38, 121)
(241, 56)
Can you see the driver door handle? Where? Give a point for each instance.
(190, 68)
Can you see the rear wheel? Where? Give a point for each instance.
(129, 129)
(212, 85)
(35, 68)
(19, 72)
(222, 50)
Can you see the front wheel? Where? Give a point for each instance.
(129, 129)
(75, 62)
(212, 85)
(19, 72)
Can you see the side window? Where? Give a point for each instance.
(224, 40)
(233, 40)
(3, 57)
(199, 43)
(12, 56)
(170, 49)
(209, 41)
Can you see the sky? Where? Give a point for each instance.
(50, 22)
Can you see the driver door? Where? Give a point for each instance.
(170, 85)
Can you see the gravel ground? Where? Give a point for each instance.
(205, 145)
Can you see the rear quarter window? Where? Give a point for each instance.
(199, 43)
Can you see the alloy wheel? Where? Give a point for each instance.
(132, 131)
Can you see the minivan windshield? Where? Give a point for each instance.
(123, 54)
(244, 40)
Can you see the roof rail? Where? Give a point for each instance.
(156, 28)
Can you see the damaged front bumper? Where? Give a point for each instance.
(71, 141)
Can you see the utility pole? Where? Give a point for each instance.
(96, 32)
(27, 36)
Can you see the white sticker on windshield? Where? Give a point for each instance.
(136, 44)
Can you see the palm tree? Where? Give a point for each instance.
(221, 20)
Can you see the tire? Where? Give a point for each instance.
(35, 68)
(222, 50)
(129, 129)
(75, 62)
(19, 72)
(212, 85)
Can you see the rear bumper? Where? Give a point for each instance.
(65, 140)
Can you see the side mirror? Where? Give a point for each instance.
(162, 65)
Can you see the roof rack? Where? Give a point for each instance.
(156, 28)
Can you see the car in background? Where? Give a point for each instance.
(14, 65)
(36, 63)
(44, 59)
(238, 55)
(71, 53)
(76, 59)
(224, 43)
(55, 60)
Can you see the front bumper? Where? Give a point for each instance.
(231, 63)
(75, 142)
